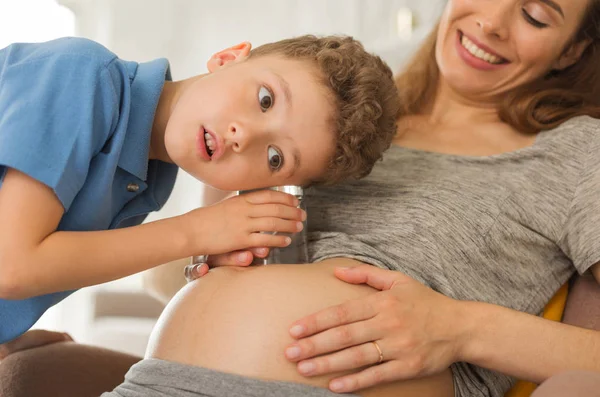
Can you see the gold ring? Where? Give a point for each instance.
(378, 351)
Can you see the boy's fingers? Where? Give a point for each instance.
(260, 252)
(235, 258)
(271, 240)
(271, 196)
(279, 211)
(195, 271)
(276, 225)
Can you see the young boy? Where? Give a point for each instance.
(90, 144)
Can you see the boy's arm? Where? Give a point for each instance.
(35, 259)
(163, 282)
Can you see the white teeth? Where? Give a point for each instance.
(478, 52)
(209, 142)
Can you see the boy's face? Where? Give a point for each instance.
(253, 123)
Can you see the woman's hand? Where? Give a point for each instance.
(31, 339)
(405, 331)
(235, 258)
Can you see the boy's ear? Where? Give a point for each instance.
(572, 54)
(232, 54)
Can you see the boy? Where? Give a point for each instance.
(90, 144)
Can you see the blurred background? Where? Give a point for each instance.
(120, 315)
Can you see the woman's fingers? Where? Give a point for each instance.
(347, 359)
(332, 339)
(382, 279)
(371, 376)
(345, 313)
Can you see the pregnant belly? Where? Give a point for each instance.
(236, 320)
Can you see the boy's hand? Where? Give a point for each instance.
(235, 258)
(31, 339)
(246, 221)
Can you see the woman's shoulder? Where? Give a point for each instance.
(582, 125)
(574, 137)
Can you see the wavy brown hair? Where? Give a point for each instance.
(364, 96)
(540, 105)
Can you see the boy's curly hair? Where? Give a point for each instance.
(365, 99)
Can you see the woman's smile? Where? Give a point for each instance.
(478, 56)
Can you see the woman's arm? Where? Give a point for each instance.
(526, 346)
(422, 332)
(538, 348)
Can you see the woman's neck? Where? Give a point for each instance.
(455, 124)
(450, 108)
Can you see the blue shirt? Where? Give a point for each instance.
(78, 119)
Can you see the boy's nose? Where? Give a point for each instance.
(241, 137)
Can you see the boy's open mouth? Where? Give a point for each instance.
(211, 143)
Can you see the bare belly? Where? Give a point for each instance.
(236, 320)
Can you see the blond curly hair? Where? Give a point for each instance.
(365, 99)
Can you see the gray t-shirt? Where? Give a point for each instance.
(507, 229)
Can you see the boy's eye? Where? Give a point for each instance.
(275, 159)
(265, 99)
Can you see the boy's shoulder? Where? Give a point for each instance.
(67, 48)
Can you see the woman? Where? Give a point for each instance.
(484, 206)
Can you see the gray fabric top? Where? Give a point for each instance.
(152, 377)
(508, 229)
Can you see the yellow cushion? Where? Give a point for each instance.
(553, 311)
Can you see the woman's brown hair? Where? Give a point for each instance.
(540, 105)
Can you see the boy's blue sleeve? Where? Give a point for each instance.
(56, 113)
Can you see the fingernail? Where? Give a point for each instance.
(261, 251)
(242, 256)
(306, 367)
(299, 226)
(297, 330)
(288, 240)
(336, 385)
(303, 216)
(292, 352)
(343, 268)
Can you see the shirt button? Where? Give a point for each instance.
(133, 187)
